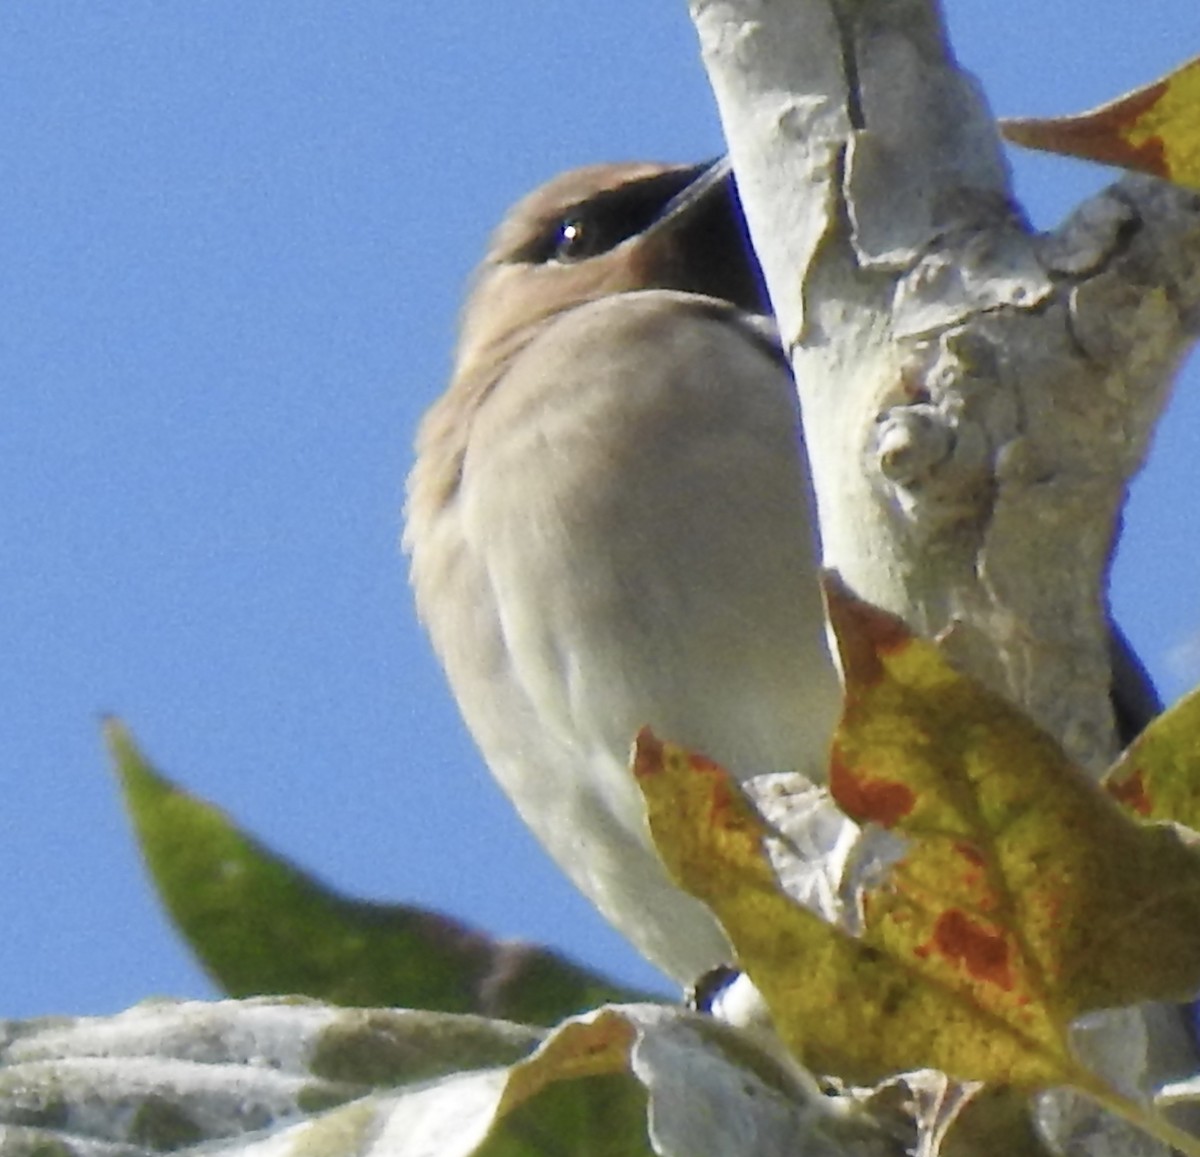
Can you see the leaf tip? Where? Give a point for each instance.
(1131, 792)
(648, 753)
(118, 740)
(863, 631)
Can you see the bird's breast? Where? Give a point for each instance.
(636, 489)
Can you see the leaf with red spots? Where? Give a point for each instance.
(1158, 777)
(1024, 896)
(1151, 130)
(1024, 886)
(860, 1008)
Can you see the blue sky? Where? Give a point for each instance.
(234, 241)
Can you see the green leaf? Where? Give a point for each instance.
(261, 925)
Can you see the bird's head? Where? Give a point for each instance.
(601, 230)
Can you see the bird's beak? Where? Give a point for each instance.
(700, 242)
(709, 180)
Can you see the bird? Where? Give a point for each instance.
(610, 525)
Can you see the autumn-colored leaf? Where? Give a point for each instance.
(859, 1008)
(261, 925)
(1153, 130)
(1157, 778)
(1026, 885)
(1024, 898)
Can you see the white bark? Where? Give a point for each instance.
(975, 397)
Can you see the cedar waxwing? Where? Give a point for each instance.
(610, 525)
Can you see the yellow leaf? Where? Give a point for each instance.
(1153, 130)
(1028, 885)
(1157, 777)
(859, 1008)
(1024, 898)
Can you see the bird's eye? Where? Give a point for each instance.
(576, 240)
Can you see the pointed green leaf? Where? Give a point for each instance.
(261, 925)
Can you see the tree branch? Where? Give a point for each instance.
(975, 396)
